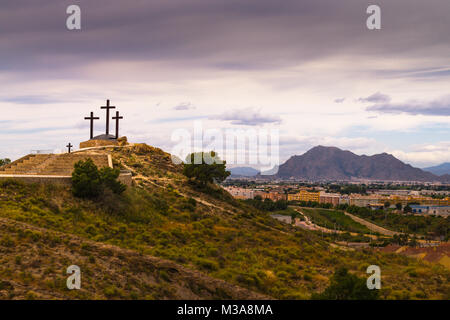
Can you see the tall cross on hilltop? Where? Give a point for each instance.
(92, 118)
(107, 107)
(117, 118)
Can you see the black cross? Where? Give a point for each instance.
(107, 107)
(69, 146)
(117, 118)
(92, 118)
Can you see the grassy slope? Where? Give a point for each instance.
(218, 236)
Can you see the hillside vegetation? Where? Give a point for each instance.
(206, 235)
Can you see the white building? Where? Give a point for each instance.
(240, 193)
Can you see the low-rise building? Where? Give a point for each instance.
(240, 193)
(434, 210)
(332, 198)
(434, 192)
(386, 192)
(304, 195)
(272, 195)
(365, 201)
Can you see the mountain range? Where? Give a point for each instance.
(330, 163)
(243, 171)
(439, 170)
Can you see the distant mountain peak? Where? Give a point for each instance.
(440, 170)
(332, 163)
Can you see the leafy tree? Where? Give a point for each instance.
(267, 204)
(109, 178)
(89, 182)
(346, 286)
(86, 182)
(398, 206)
(205, 167)
(4, 162)
(387, 204)
(407, 209)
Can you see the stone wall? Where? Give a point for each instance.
(98, 143)
(60, 180)
(125, 177)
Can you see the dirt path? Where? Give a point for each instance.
(309, 225)
(371, 226)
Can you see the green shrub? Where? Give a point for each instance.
(89, 182)
(208, 265)
(112, 291)
(4, 162)
(109, 178)
(346, 286)
(86, 181)
(209, 168)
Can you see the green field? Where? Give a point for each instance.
(434, 226)
(331, 218)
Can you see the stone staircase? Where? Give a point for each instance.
(51, 164)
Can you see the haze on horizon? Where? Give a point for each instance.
(310, 68)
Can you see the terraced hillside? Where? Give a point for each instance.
(51, 164)
(206, 234)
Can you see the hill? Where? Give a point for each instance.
(331, 163)
(243, 172)
(165, 239)
(439, 170)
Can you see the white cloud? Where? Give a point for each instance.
(437, 107)
(426, 154)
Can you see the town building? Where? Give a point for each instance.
(331, 198)
(240, 193)
(304, 195)
(432, 210)
(366, 201)
(272, 195)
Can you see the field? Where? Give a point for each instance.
(334, 218)
(434, 226)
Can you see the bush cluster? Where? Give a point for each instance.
(90, 182)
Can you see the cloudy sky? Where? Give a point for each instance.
(309, 68)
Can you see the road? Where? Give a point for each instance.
(371, 226)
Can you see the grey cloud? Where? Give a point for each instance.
(377, 97)
(339, 100)
(184, 106)
(31, 100)
(438, 107)
(220, 34)
(248, 117)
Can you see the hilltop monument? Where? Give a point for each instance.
(57, 168)
(105, 139)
